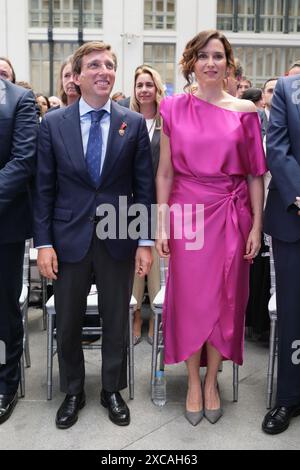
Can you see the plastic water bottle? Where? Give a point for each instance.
(160, 396)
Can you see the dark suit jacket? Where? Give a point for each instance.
(155, 150)
(18, 133)
(283, 157)
(263, 122)
(125, 102)
(66, 199)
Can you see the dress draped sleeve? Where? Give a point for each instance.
(165, 109)
(255, 159)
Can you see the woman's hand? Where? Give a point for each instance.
(253, 244)
(162, 247)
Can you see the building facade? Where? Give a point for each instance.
(37, 35)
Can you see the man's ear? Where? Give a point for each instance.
(76, 79)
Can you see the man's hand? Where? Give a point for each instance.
(143, 260)
(298, 204)
(47, 263)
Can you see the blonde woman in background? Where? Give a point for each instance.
(145, 99)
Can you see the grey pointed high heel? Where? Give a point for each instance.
(194, 417)
(214, 415)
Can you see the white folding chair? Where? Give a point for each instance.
(272, 307)
(23, 302)
(92, 309)
(33, 253)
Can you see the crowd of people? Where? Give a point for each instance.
(65, 157)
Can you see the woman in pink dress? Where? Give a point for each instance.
(211, 159)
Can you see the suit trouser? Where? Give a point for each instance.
(11, 327)
(114, 284)
(153, 282)
(287, 269)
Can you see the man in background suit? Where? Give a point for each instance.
(268, 90)
(282, 222)
(18, 132)
(89, 154)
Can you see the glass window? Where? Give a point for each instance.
(261, 63)
(66, 13)
(93, 14)
(294, 16)
(225, 15)
(246, 15)
(272, 15)
(159, 14)
(241, 14)
(38, 13)
(40, 65)
(162, 58)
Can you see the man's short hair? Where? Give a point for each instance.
(269, 80)
(86, 49)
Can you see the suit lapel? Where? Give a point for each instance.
(115, 141)
(71, 135)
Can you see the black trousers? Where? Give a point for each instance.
(287, 269)
(114, 280)
(11, 327)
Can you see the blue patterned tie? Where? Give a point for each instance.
(94, 146)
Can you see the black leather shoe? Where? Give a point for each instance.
(118, 411)
(278, 419)
(7, 404)
(67, 414)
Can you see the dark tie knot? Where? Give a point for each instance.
(96, 116)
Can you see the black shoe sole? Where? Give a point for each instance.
(118, 423)
(5, 417)
(66, 426)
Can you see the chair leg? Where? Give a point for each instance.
(22, 377)
(44, 301)
(235, 382)
(272, 350)
(26, 337)
(131, 355)
(50, 355)
(154, 351)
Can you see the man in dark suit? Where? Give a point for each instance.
(282, 222)
(89, 154)
(268, 90)
(18, 132)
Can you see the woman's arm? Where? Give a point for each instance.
(256, 190)
(164, 181)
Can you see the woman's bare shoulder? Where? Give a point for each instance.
(244, 106)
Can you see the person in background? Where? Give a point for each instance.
(24, 84)
(146, 97)
(69, 93)
(256, 96)
(294, 68)
(118, 96)
(18, 133)
(43, 103)
(243, 85)
(208, 280)
(55, 102)
(6, 70)
(233, 78)
(268, 90)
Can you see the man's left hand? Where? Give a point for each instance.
(143, 260)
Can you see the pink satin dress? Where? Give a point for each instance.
(213, 150)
